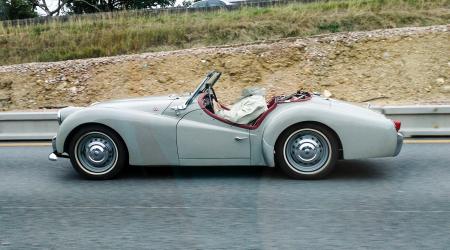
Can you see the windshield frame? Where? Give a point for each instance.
(213, 76)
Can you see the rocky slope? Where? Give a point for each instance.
(394, 66)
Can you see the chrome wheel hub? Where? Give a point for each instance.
(96, 152)
(307, 150)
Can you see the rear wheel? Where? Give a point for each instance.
(97, 152)
(307, 151)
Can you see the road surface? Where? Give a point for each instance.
(390, 203)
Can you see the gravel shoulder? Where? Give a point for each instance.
(392, 66)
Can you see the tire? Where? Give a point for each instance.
(307, 151)
(97, 153)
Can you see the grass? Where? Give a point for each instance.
(127, 32)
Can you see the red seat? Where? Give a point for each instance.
(271, 105)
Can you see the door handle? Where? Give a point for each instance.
(237, 138)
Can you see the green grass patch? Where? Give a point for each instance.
(127, 32)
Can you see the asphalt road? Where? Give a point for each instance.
(391, 203)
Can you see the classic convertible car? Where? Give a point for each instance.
(304, 134)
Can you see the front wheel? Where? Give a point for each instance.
(97, 152)
(307, 151)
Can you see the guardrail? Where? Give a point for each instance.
(433, 120)
(27, 125)
(420, 120)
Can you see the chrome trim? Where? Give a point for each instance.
(54, 144)
(52, 157)
(399, 144)
(58, 117)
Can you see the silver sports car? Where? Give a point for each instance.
(304, 134)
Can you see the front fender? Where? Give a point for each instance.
(149, 138)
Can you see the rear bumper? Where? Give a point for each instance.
(399, 144)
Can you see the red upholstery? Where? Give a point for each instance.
(271, 106)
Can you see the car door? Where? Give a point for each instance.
(203, 140)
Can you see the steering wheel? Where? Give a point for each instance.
(214, 94)
(209, 103)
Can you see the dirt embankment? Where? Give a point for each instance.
(395, 66)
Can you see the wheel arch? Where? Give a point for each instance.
(71, 134)
(269, 145)
(332, 131)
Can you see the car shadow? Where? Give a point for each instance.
(358, 169)
(201, 172)
(361, 169)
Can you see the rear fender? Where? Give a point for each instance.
(362, 133)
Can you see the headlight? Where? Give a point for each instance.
(66, 112)
(58, 117)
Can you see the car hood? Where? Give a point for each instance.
(153, 104)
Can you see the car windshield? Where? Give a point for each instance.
(201, 4)
(210, 79)
(214, 3)
(208, 3)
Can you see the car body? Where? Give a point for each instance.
(208, 4)
(179, 130)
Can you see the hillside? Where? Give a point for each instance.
(128, 33)
(394, 66)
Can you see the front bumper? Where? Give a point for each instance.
(55, 155)
(399, 144)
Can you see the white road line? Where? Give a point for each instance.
(427, 141)
(229, 208)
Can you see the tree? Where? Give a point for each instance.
(3, 11)
(16, 9)
(91, 6)
(186, 3)
(43, 5)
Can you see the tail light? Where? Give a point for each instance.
(397, 124)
